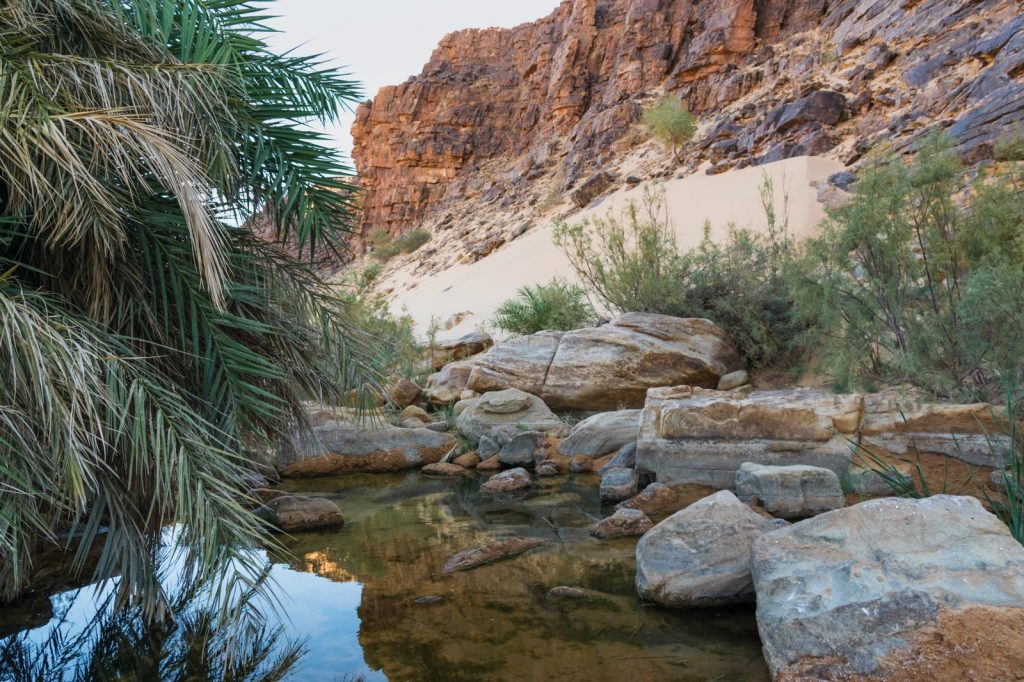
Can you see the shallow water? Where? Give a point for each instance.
(352, 593)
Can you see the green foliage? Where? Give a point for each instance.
(671, 123)
(145, 342)
(369, 275)
(631, 262)
(395, 352)
(907, 284)
(557, 305)
(385, 247)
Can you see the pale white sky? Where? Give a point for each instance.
(383, 42)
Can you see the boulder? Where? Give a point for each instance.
(790, 492)
(602, 433)
(733, 380)
(447, 385)
(655, 499)
(581, 464)
(451, 350)
(520, 449)
(415, 412)
(468, 460)
(342, 443)
(700, 556)
(492, 551)
(444, 470)
(591, 188)
(548, 468)
(489, 464)
(693, 435)
(608, 367)
(618, 484)
(487, 447)
(507, 481)
(891, 587)
(625, 457)
(404, 392)
(624, 523)
(502, 415)
(294, 513)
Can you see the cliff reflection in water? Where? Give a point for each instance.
(497, 622)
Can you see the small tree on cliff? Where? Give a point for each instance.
(671, 123)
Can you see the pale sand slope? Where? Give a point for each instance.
(731, 197)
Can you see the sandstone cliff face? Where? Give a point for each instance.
(496, 110)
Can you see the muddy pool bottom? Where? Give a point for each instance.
(371, 600)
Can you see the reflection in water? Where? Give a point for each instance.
(355, 595)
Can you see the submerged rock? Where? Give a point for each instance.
(293, 513)
(889, 587)
(790, 492)
(492, 551)
(507, 481)
(445, 470)
(700, 556)
(624, 523)
(565, 592)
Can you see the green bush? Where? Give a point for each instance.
(557, 305)
(631, 262)
(671, 123)
(396, 351)
(908, 284)
(386, 247)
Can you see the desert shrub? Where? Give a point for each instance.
(557, 305)
(396, 351)
(386, 247)
(671, 123)
(369, 275)
(631, 262)
(908, 284)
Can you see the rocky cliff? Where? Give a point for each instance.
(498, 117)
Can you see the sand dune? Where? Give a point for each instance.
(478, 288)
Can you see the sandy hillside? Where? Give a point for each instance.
(733, 197)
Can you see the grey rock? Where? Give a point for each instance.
(790, 492)
(581, 464)
(480, 419)
(625, 457)
(857, 586)
(602, 433)
(733, 380)
(868, 481)
(548, 468)
(565, 592)
(618, 484)
(624, 523)
(519, 450)
(487, 447)
(700, 556)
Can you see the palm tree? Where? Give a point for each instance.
(147, 344)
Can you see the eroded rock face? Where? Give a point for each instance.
(691, 435)
(343, 443)
(859, 593)
(608, 367)
(495, 109)
(700, 556)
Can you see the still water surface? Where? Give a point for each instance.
(355, 595)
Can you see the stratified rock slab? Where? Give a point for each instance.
(790, 492)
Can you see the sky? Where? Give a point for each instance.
(384, 42)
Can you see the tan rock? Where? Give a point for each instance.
(404, 392)
(447, 351)
(444, 470)
(490, 464)
(608, 367)
(415, 412)
(447, 385)
(468, 460)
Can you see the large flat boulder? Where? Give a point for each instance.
(693, 435)
(295, 513)
(892, 587)
(608, 367)
(601, 434)
(502, 415)
(341, 442)
(700, 556)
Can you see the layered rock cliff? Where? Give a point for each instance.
(498, 115)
